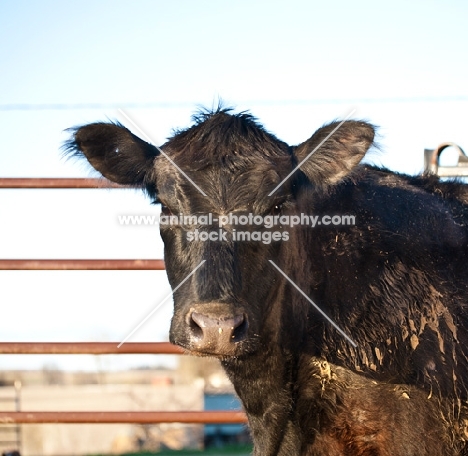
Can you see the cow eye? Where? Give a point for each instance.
(276, 209)
(165, 210)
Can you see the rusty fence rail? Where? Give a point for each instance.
(94, 348)
(33, 264)
(57, 183)
(88, 348)
(204, 417)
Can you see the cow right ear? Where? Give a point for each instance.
(334, 151)
(114, 151)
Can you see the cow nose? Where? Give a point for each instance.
(217, 334)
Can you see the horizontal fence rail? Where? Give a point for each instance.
(31, 264)
(41, 182)
(203, 417)
(88, 348)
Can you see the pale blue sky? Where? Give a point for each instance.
(295, 65)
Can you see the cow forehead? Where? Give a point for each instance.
(244, 187)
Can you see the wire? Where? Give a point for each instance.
(175, 105)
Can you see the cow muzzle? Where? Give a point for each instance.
(215, 333)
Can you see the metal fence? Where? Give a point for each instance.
(16, 348)
(432, 158)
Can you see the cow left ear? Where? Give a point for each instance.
(114, 151)
(337, 148)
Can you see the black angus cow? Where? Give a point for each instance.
(392, 280)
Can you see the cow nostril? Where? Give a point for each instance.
(196, 326)
(239, 330)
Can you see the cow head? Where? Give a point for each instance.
(224, 166)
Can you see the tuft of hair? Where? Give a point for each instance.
(219, 133)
